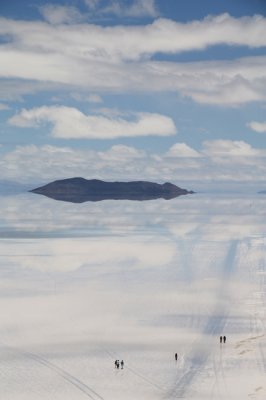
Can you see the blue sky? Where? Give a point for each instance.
(137, 89)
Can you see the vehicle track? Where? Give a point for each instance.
(201, 350)
(69, 378)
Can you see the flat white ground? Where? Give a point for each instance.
(84, 285)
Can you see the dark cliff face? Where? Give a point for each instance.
(79, 190)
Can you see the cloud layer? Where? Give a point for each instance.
(121, 58)
(218, 161)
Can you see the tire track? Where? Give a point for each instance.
(214, 326)
(69, 378)
(66, 376)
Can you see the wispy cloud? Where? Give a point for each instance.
(62, 14)
(138, 8)
(4, 107)
(92, 4)
(70, 123)
(57, 14)
(91, 98)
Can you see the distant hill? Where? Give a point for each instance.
(79, 190)
(262, 192)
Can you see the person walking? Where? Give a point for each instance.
(224, 339)
(176, 356)
(122, 364)
(221, 339)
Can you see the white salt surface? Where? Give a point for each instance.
(84, 285)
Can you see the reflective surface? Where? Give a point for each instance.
(85, 284)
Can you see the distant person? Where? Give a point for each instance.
(221, 339)
(176, 356)
(224, 339)
(122, 364)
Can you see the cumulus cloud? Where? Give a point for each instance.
(70, 123)
(182, 150)
(230, 148)
(257, 126)
(218, 161)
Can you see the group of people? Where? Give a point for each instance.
(222, 339)
(118, 364)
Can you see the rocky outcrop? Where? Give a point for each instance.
(79, 190)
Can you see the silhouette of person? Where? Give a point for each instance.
(176, 356)
(221, 339)
(224, 339)
(122, 364)
(118, 365)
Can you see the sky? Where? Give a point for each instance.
(133, 90)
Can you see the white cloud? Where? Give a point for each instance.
(56, 14)
(143, 8)
(257, 126)
(218, 161)
(122, 153)
(230, 148)
(222, 83)
(182, 150)
(85, 56)
(89, 41)
(70, 123)
(216, 82)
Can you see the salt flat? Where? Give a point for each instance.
(84, 285)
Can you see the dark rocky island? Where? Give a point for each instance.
(79, 190)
